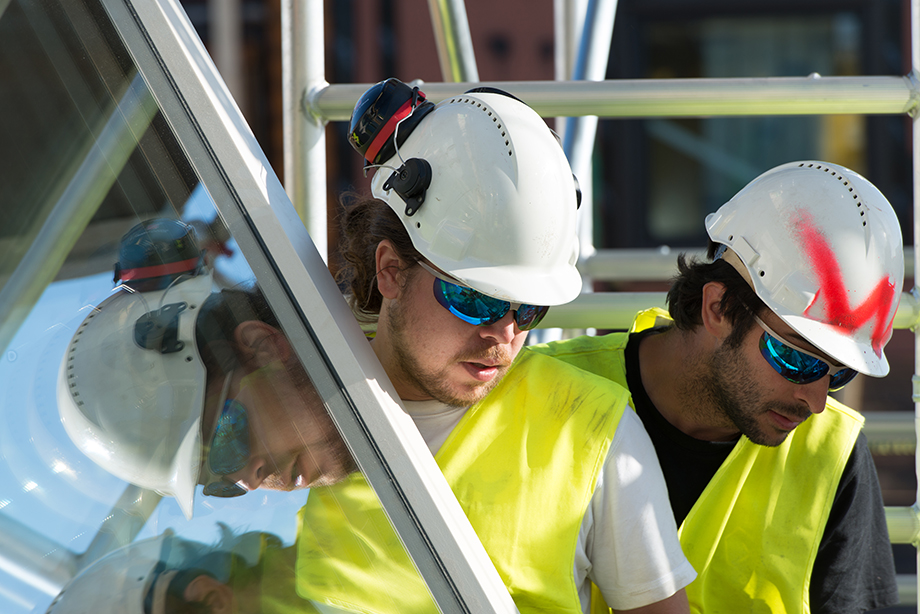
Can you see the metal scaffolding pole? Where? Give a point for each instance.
(915, 67)
(303, 74)
(453, 40)
(580, 132)
(637, 98)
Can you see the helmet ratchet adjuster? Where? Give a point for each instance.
(411, 181)
(159, 330)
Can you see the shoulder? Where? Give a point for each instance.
(604, 355)
(833, 431)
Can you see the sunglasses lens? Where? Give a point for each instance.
(468, 304)
(230, 445)
(841, 378)
(529, 316)
(224, 489)
(792, 364)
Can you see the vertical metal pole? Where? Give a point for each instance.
(303, 75)
(915, 66)
(226, 19)
(453, 39)
(580, 132)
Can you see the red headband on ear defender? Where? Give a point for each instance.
(376, 114)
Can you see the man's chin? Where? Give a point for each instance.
(469, 394)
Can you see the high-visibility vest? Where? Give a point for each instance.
(523, 464)
(753, 534)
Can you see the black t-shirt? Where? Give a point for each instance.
(854, 568)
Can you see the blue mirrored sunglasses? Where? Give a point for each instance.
(229, 450)
(797, 365)
(476, 308)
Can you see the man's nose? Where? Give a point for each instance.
(252, 475)
(814, 394)
(502, 331)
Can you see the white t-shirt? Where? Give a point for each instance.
(628, 542)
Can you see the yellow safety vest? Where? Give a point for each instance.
(523, 464)
(753, 534)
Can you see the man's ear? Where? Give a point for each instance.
(714, 321)
(389, 268)
(216, 595)
(262, 343)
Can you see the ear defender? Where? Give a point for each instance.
(411, 181)
(376, 114)
(374, 135)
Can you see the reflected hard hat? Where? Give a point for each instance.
(485, 192)
(118, 583)
(131, 387)
(822, 248)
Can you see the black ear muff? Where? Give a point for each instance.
(411, 182)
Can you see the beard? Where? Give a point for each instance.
(728, 386)
(435, 382)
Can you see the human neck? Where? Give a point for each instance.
(672, 364)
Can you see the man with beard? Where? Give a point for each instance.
(470, 236)
(167, 384)
(771, 481)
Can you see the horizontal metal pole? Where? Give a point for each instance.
(903, 524)
(34, 558)
(616, 310)
(812, 95)
(907, 589)
(890, 427)
(659, 264)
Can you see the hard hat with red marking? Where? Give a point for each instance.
(822, 248)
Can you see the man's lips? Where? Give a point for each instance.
(483, 372)
(784, 423)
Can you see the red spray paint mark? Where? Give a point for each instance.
(831, 287)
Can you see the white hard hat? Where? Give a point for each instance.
(822, 248)
(499, 208)
(131, 387)
(118, 583)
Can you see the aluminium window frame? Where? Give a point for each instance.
(254, 206)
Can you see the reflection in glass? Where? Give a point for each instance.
(176, 375)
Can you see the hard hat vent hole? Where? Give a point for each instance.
(762, 273)
(484, 106)
(418, 224)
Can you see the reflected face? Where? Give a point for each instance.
(292, 441)
(432, 354)
(750, 394)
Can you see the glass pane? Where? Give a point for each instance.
(698, 164)
(140, 359)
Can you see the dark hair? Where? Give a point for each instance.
(685, 298)
(220, 314)
(364, 224)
